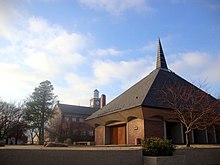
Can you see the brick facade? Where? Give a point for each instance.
(135, 130)
(69, 123)
(74, 127)
(154, 128)
(99, 135)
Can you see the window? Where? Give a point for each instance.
(83, 133)
(73, 119)
(81, 120)
(75, 132)
(91, 133)
(66, 118)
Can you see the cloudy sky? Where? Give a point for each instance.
(81, 45)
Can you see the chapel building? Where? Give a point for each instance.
(137, 113)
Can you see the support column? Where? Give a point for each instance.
(206, 136)
(215, 139)
(104, 135)
(182, 134)
(127, 132)
(193, 137)
(164, 130)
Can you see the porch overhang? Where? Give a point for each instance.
(120, 117)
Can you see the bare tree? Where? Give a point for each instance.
(11, 123)
(194, 108)
(6, 115)
(54, 127)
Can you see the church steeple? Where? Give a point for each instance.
(161, 61)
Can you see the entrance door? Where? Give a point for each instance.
(118, 134)
(174, 132)
(113, 135)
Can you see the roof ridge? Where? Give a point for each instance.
(152, 82)
(132, 100)
(75, 105)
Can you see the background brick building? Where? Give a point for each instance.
(69, 120)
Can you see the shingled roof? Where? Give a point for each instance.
(74, 109)
(161, 61)
(145, 93)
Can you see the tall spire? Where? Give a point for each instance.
(161, 61)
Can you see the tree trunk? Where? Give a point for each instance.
(42, 120)
(6, 140)
(42, 134)
(42, 128)
(32, 138)
(39, 137)
(16, 138)
(187, 139)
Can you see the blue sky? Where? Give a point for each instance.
(81, 45)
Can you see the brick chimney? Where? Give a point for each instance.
(102, 101)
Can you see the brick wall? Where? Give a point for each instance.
(135, 130)
(153, 128)
(99, 135)
(75, 156)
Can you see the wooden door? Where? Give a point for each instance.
(122, 134)
(113, 135)
(118, 134)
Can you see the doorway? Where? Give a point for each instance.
(174, 132)
(118, 134)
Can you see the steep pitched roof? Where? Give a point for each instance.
(74, 109)
(142, 93)
(146, 92)
(133, 97)
(161, 83)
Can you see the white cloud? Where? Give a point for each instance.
(197, 66)
(35, 51)
(107, 52)
(47, 48)
(77, 89)
(40, 62)
(53, 38)
(15, 82)
(105, 74)
(116, 7)
(191, 60)
(9, 17)
(126, 72)
(150, 47)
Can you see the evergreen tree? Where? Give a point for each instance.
(39, 108)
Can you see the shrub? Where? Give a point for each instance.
(157, 147)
